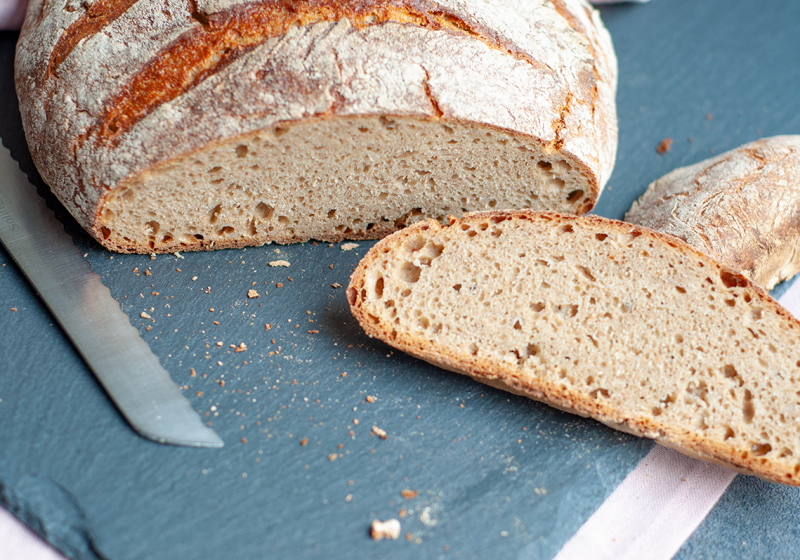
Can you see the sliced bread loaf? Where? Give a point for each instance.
(742, 208)
(601, 318)
(167, 125)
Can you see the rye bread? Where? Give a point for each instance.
(196, 124)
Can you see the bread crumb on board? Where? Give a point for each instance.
(664, 146)
(409, 494)
(253, 294)
(389, 529)
(280, 263)
(348, 246)
(380, 433)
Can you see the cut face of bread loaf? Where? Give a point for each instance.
(180, 125)
(601, 318)
(742, 208)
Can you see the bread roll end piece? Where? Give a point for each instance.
(337, 178)
(601, 318)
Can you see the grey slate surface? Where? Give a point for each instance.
(500, 477)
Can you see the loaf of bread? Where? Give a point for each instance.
(742, 208)
(167, 125)
(601, 318)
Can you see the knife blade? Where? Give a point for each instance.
(112, 348)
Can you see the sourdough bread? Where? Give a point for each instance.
(601, 318)
(195, 124)
(742, 208)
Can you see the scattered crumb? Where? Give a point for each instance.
(426, 518)
(279, 285)
(402, 513)
(313, 332)
(370, 399)
(219, 343)
(409, 494)
(709, 116)
(199, 393)
(253, 294)
(194, 373)
(148, 273)
(194, 278)
(664, 146)
(304, 442)
(378, 432)
(279, 263)
(241, 348)
(267, 327)
(144, 315)
(336, 285)
(332, 457)
(177, 254)
(244, 440)
(409, 537)
(13, 309)
(389, 529)
(348, 498)
(348, 246)
(355, 421)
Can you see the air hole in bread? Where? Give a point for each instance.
(756, 314)
(587, 273)
(731, 280)
(153, 227)
(264, 211)
(457, 288)
(566, 229)
(226, 230)
(105, 232)
(409, 272)
(214, 214)
(574, 195)
(241, 151)
(761, 449)
(600, 393)
(748, 410)
(379, 287)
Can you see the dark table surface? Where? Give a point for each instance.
(498, 476)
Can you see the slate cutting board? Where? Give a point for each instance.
(498, 476)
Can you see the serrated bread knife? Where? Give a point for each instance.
(126, 367)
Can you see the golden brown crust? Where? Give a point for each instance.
(570, 398)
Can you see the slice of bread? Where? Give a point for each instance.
(741, 208)
(601, 318)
